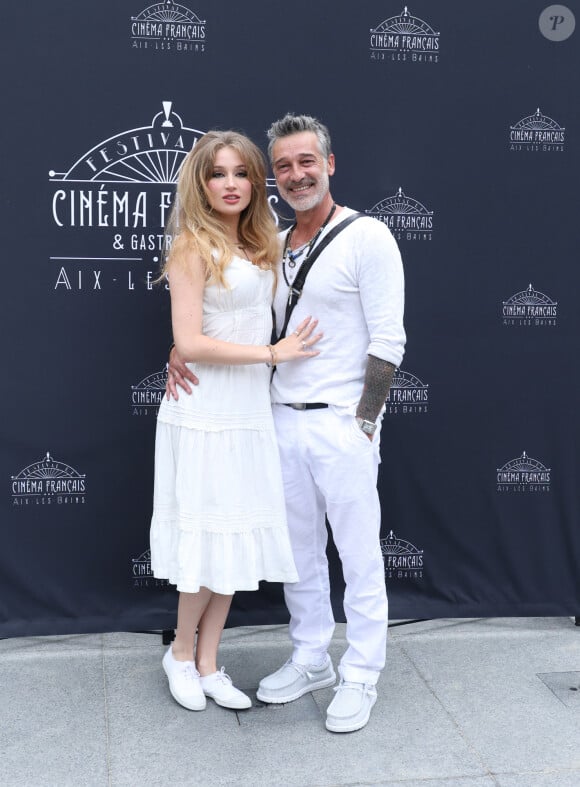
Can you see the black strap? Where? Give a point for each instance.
(298, 283)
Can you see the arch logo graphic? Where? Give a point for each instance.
(110, 207)
(523, 474)
(406, 217)
(404, 38)
(529, 307)
(141, 573)
(407, 394)
(402, 559)
(148, 394)
(537, 133)
(48, 482)
(168, 27)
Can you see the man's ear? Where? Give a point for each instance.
(331, 165)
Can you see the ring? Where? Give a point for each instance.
(303, 346)
(297, 333)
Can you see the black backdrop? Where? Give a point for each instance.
(456, 123)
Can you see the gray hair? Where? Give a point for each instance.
(294, 124)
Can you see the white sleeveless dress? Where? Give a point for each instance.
(218, 509)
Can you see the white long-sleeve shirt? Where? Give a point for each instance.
(356, 290)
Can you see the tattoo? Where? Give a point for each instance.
(378, 379)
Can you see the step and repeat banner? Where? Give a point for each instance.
(456, 124)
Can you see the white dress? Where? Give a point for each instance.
(218, 509)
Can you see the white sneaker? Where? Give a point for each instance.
(184, 682)
(219, 687)
(351, 707)
(293, 680)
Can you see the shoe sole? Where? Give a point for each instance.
(271, 700)
(179, 702)
(183, 705)
(231, 707)
(350, 728)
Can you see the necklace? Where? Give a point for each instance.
(243, 250)
(291, 257)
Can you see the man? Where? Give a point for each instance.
(327, 415)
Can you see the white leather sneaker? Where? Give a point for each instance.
(184, 682)
(219, 687)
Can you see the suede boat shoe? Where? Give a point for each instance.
(292, 680)
(351, 707)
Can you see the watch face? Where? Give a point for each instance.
(368, 427)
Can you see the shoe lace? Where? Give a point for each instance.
(301, 669)
(222, 676)
(363, 688)
(189, 671)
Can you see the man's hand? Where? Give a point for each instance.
(177, 375)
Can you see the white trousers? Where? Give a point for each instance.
(330, 467)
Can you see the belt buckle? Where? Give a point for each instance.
(298, 405)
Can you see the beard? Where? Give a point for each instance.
(314, 198)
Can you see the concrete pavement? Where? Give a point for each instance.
(462, 703)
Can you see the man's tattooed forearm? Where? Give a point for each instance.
(378, 379)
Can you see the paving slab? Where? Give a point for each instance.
(461, 781)
(486, 677)
(38, 647)
(52, 717)
(565, 686)
(561, 778)
(304, 709)
(153, 740)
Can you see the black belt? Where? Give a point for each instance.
(305, 405)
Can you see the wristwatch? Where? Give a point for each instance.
(368, 427)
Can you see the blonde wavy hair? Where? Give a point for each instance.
(195, 227)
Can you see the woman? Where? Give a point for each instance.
(218, 517)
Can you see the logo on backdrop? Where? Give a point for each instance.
(148, 394)
(406, 38)
(406, 217)
(110, 208)
(557, 22)
(402, 559)
(48, 482)
(523, 474)
(407, 394)
(537, 132)
(168, 27)
(277, 206)
(529, 307)
(141, 574)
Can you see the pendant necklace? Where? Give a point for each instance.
(243, 250)
(291, 257)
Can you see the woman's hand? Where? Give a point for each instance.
(177, 375)
(299, 344)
